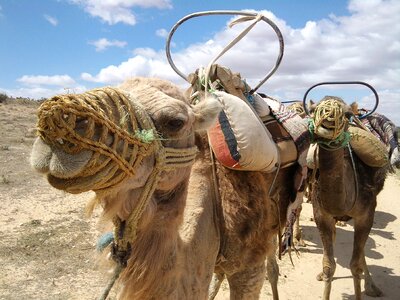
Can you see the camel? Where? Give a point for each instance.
(345, 188)
(190, 225)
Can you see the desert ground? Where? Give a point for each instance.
(47, 243)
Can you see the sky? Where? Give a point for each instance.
(49, 47)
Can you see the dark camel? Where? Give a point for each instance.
(346, 188)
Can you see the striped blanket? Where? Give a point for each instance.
(294, 124)
(382, 128)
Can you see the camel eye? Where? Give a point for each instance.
(175, 124)
(170, 122)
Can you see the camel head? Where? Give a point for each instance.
(330, 119)
(106, 137)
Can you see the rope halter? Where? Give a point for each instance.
(103, 121)
(120, 134)
(330, 124)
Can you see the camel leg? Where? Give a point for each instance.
(215, 284)
(370, 288)
(358, 264)
(247, 284)
(326, 227)
(297, 232)
(273, 273)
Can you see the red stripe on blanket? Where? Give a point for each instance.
(220, 148)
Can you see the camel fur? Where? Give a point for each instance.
(187, 231)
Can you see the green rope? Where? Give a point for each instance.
(117, 271)
(341, 141)
(311, 129)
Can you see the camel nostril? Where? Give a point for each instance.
(81, 123)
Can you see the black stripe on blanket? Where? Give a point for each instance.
(230, 139)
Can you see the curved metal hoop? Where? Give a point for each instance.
(290, 101)
(343, 82)
(227, 12)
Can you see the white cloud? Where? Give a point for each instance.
(139, 65)
(389, 104)
(147, 52)
(52, 20)
(39, 80)
(103, 44)
(162, 33)
(119, 11)
(41, 86)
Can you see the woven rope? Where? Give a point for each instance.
(86, 122)
(329, 114)
(297, 107)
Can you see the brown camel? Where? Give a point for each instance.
(345, 188)
(190, 225)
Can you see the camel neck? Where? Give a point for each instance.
(162, 197)
(151, 269)
(170, 245)
(335, 173)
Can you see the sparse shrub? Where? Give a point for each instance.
(4, 147)
(3, 97)
(24, 101)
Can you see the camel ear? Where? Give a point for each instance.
(206, 112)
(354, 108)
(311, 106)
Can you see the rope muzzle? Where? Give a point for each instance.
(329, 124)
(103, 121)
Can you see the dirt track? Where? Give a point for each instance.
(47, 244)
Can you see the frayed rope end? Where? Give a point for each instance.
(145, 135)
(105, 240)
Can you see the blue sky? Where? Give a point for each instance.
(53, 46)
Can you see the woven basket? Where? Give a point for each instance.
(368, 147)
